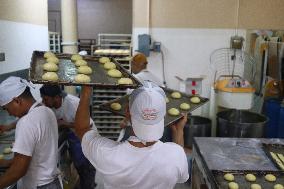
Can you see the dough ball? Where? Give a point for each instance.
(109, 65)
(81, 63)
(229, 177)
(53, 59)
(125, 81)
(173, 112)
(167, 100)
(278, 186)
(50, 76)
(1, 156)
(176, 95)
(76, 57)
(233, 185)
(82, 78)
(104, 60)
(99, 51)
(195, 100)
(115, 106)
(48, 54)
(50, 66)
(84, 70)
(250, 177)
(7, 150)
(184, 106)
(255, 186)
(270, 178)
(114, 73)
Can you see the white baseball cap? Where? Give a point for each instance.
(147, 109)
(12, 87)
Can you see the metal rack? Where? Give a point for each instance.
(54, 42)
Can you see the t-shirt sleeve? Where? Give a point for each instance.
(184, 175)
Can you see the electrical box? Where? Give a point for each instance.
(157, 46)
(2, 56)
(144, 42)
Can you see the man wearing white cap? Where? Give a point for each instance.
(36, 138)
(143, 161)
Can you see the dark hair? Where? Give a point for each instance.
(26, 94)
(51, 90)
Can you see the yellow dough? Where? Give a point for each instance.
(255, 186)
(50, 66)
(50, 76)
(81, 63)
(125, 81)
(167, 100)
(229, 177)
(53, 59)
(278, 186)
(270, 178)
(250, 177)
(7, 150)
(173, 112)
(84, 70)
(114, 73)
(48, 54)
(233, 185)
(82, 78)
(109, 65)
(278, 161)
(176, 95)
(104, 60)
(184, 106)
(115, 106)
(195, 100)
(76, 57)
(1, 156)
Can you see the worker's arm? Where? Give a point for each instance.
(177, 131)
(82, 118)
(64, 124)
(17, 170)
(9, 127)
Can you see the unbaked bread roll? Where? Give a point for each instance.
(184, 106)
(173, 112)
(114, 73)
(1, 156)
(50, 76)
(233, 185)
(85, 70)
(278, 186)
(255, 186)
(7, 150)
(115, 106)
(81, 62)
(229, 177)
(176, 95)
(125, 81)
(109, 65)
(270, 178)
(104, 60)
(250, 177)
(48, 54)
(195, 99)
(76, 57)
(50, 66)
(167, 100)
(53, 59)
(278, 161)
(82, 78)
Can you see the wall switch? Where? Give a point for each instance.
(2, 56)
(157, 46)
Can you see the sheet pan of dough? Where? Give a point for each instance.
(276, 149)
(239, 177)
(8, 156)
(173, 103)
(67, 72)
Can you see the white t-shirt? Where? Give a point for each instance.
(37, 136)
(124, 166)
(145, 75)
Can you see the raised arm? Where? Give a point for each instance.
(177, 131)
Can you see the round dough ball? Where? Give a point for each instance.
(48, 54)
(195, 100)
(255, 186)
(278, 186)
(176, 95)
(109, 65)
(125, 81)
(1, 156)
(82, 78)
(7, 150)
(115, 106)
(50, 76)
(114, 73)
(104, 60)
(250, 177)
(229, 177)
(50, 66)
(173, 112)
(76, 57)
(85, 70)
(270, 178)
(184, 106)
(53, 59)
(167, 100)
(233, 185)
(81, 63)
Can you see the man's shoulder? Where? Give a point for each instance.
(172, 146)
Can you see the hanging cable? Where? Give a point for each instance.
(237, 19)
(163, 68)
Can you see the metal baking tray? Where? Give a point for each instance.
(275, 148)
(67, 72)
(221, 183)
(173, 103)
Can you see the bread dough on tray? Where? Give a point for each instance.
(7, 150)
(50, 66)
(184, 106)
(229, 177)
(109, 65)
(270, 178)
(167, 100)
(82, 78)
(173, 112)
(125, 81)
(250, 177)
(104, 60)
(114, 73)
(233, 185)
(115, 106)
(53, 59)
(48, 54)
(50, 76)
(255, 186)
(195, 100)
(76, 57)
(85, 70)
(81, 62)
(278, 186)
(1, 156)
(176, 95)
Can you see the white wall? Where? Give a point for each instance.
(18, 41)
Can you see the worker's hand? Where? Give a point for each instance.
(123, 123)
(87, 91)
(178, 126)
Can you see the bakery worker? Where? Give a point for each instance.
(65, 107)
(143, 161)
(36, 138)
